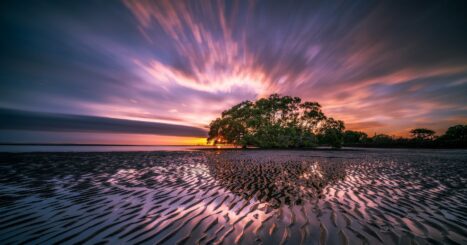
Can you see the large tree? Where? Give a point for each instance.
(457, 132)
(276, 121)
(455, 136)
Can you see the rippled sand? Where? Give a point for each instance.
(246, 197)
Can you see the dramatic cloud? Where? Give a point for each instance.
(31, 121)
(380, 66)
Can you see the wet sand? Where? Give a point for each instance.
(235, 197)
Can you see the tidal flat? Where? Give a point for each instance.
(358, 196)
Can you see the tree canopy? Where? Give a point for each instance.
(455, 136)
(276, 122)
(287, 122)
(355, 137)
(422, 133)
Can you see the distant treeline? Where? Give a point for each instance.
(288, 122)
(455, 137)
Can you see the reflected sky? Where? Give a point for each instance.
(274, 180)
(380, 67)
(148, 197)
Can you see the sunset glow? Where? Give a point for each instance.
(183, 62)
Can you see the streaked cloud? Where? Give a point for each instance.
(380, 66)
(37, 121)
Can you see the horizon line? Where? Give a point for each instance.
(79, 144)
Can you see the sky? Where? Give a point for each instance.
(157, 72)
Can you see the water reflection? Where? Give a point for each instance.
(200, 197)
(277, 181)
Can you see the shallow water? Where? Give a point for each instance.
(247, 197)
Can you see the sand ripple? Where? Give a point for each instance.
(234, 197)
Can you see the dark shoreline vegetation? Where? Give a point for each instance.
(287, 122)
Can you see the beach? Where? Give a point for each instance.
(349, 196)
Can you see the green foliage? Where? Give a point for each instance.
(455, 136)
(332, 133)
(355, 137)
(286, 122)
(276, 122)
(382, 139)
(457, 132)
